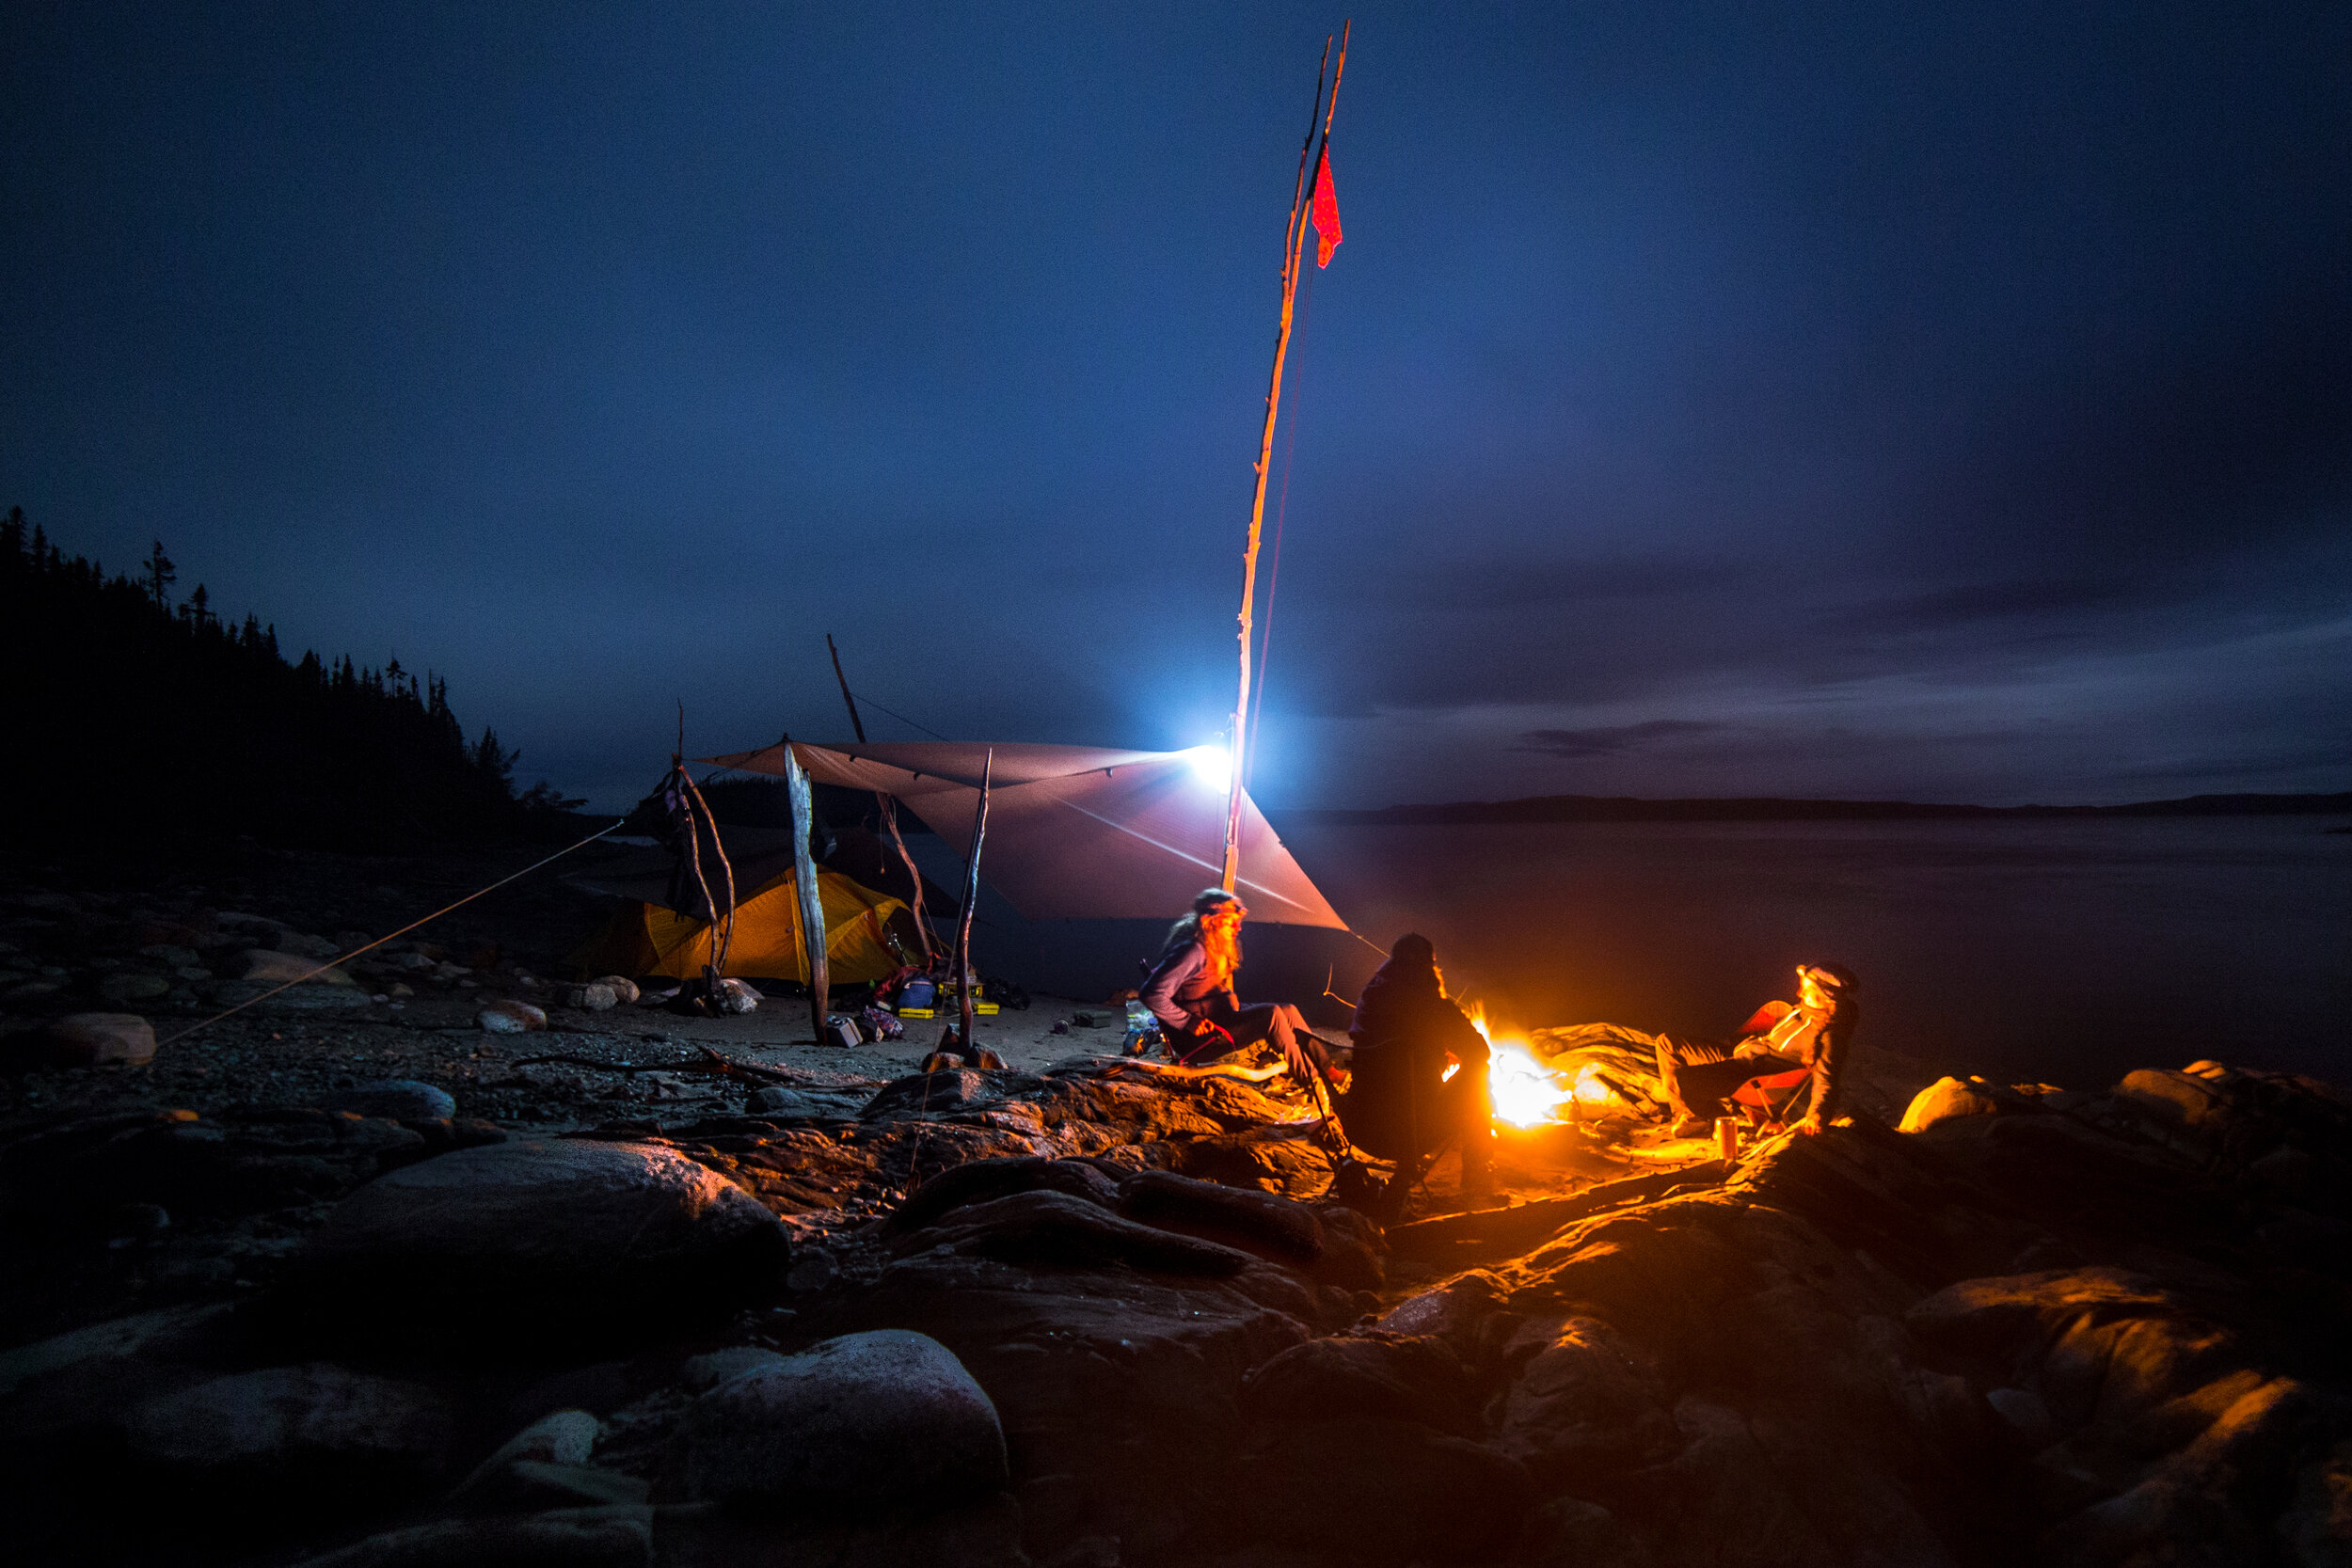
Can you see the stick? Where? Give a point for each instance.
(812, 902)
(854, 722)
(1292, 237)
(721, 926)
(971, 895)
(889, 807)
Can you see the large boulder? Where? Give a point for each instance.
(1273, 1228)
(1378, 1377)
(886, 1418)
(1943, 1099)
(314, 1438)
(543, 1241)
(1586, 1401)
(94, 1039)
(1384, 1491)
(983, 1180)
(268, 968)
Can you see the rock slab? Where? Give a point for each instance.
(565, 1238)
(882, 1417)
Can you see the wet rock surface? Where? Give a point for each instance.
(363, 1284)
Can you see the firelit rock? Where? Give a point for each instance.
(323, 1433)
(401, 1099)
(511, 1017)
(524, 1241)
(595, 998)
(1943, 1099)
(866, 1419)
(735, 996)
(624, 990)
(94, 1040)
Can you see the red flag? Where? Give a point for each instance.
(1325, 213)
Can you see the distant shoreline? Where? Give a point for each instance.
(1605, 808)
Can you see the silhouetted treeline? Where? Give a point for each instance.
(132, 716)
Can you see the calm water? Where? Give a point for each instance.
(2068, 952)
(2065, 951)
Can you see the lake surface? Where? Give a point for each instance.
(2062, 951)
(2067, 952)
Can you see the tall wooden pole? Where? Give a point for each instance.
(1294, 239)
(971, 897)
(855, 723)
(812, 902)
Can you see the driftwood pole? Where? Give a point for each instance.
(971, 895)
(804, 883)
(1292, 242)
(889, 811)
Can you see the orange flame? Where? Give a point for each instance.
(1525, 1092)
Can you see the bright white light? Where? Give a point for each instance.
(1213, 767)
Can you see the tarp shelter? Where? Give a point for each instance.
(1076, 832)
(645, 937)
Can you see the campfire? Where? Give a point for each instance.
(1527, 1092)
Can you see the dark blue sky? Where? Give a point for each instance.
(1707, 399)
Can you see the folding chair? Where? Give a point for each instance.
(1769, 1096)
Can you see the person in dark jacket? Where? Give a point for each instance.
(1190, 990)
(1417, 1070)
(1810, 1038)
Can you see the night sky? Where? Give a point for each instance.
(1713, 398)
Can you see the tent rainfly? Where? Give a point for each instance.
(1076, 832)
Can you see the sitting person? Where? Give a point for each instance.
(1190, 990)
(1809, 1038)
(1401, 1103)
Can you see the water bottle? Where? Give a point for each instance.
(1142, 1028)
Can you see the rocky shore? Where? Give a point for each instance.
(351, 1284)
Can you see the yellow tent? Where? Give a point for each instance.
(643, 939)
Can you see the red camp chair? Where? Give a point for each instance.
(1769, 1096)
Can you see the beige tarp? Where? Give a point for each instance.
(1076, 832)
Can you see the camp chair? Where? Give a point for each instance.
(1771, 1095)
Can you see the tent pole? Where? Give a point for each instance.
(889, 807)
(855, 723)
(1292, 238)
(812, 902)
(971, 895)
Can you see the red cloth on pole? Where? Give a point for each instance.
(1325, 213)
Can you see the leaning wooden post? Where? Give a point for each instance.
(971, 895)
(805, 882)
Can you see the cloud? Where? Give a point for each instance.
(1608, 739)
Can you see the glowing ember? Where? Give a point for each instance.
(1526, 1093)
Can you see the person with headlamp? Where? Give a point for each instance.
(1800, 1048)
